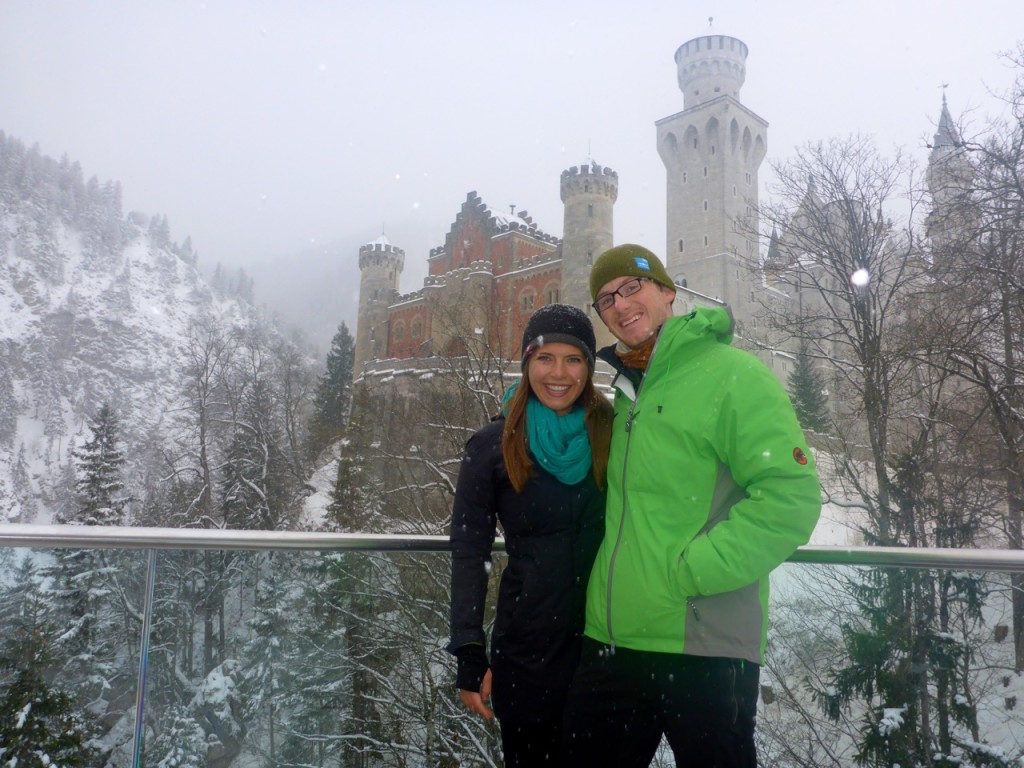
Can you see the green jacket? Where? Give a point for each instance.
(710, 487)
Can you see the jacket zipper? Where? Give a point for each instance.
(625, 502)
(693, 607)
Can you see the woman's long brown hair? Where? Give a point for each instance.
(597, 417)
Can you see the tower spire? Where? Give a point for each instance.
(947, 137)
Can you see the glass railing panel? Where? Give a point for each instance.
(306, 658)
(891, 666)
(70, 631)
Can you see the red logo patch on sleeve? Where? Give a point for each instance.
(800, 456)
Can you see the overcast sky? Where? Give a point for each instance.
(262, 128)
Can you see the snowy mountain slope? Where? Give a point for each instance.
(94, 307)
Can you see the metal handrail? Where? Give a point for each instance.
(117, 537)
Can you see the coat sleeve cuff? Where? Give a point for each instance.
(472, 666)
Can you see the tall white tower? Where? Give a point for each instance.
(712, 151)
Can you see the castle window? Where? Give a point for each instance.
(705, 241)
(734, 190)
(705, 205)
(713, 146)
(399, 332)
(680, 245)
(551, 294)
(527, 300)
(705, 171)
(590, 210)
(684, 177)
(695, 141)
(590, 258)
(748, 178)
(417, 329)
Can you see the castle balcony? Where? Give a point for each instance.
(330, 646)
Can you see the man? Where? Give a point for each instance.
(710, 487)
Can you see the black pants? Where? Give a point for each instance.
(622, 701)
(526, 745)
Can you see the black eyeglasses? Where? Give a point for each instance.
(627, 289)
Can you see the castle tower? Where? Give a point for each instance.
(380, 265)
(588, 193)
(949, 178)
(712, 151)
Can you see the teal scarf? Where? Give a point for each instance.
(559, 443)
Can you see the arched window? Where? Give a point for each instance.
(417, 328)
(527, 300)
(399, 332)
(551, 293)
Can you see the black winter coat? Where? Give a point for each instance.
(552, 533)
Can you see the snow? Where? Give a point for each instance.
(892, 720)
(23, 716)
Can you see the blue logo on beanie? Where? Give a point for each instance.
(642, 263)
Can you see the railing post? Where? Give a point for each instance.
(140, 691)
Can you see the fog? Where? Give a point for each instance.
(280, 136)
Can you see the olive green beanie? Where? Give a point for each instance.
(628, 259)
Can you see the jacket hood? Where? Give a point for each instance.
(701, 323)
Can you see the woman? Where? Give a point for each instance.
(539, 470)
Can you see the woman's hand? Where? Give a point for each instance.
(474, 700)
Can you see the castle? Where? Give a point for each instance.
(495, 268)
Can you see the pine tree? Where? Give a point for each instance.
(807, 385)
(334, 392)
(38, 722)
(100, 463)
(84, 580)
(8, 405)
(24, 495)
(270, 664)
(182, 742)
